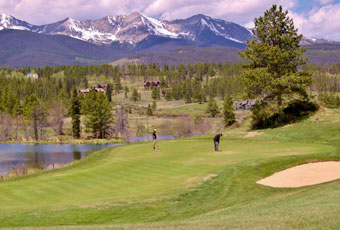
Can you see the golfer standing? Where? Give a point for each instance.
(217, 141)
(154, 138)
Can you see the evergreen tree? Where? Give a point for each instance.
(155, 94)
(75, 112)
(98, 114)
(165, 67)
(109, 92)
(135, 95)
(117, 84)
(168, 96)
(164, 83)
(126, 91)
(8, 101)
(228, 110)
(197, 94)
(158, 93)
(212, 108)
(271, 73)
(17, 109)
(149, 111)
(154, 105)
(187, 98)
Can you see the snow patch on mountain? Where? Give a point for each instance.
(217, 32)
(4, 20)
(111, 20)
(88, 34)
(159, 28)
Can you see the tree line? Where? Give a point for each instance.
(273, 72)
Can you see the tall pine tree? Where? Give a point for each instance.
(228, 110)
(212, 108)
(272, 58)
(98, 114)
(75, 112)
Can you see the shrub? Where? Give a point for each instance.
(330, 100)
(228, 110)
(265, 116)
(212, 108)
(149, 111)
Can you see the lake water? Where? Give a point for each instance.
(47, 157)
(18, 156)
(147, 138)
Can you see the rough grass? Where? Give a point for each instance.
(132, 187)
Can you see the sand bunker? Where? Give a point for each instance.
(303, 175)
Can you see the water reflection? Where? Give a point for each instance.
(77, 155)
(23, 156)
(149, 137)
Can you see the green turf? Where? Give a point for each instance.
(186, 185)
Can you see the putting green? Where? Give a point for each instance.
(121, 177)
(135, 172)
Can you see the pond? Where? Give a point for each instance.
(22, 156)
(149, 137)
(159, 137)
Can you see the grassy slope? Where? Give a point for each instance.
(131, 184)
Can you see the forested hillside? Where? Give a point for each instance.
(40, 109)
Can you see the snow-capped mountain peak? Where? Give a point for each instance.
(135, 27)
(9, 22)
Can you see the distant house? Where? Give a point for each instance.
(96, 87)
(149, 84)
(32, 75)
(100, 87)
(245, 105)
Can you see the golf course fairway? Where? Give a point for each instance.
(185, 185)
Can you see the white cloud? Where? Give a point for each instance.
(323, 22)
(240, 11)
(325, 2)
(45, 11)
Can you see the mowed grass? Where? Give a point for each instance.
(186, 185)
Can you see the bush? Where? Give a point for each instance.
(264, 117)
(212, 108)
(228, 110)
(329, 100)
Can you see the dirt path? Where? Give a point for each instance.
(303, 175)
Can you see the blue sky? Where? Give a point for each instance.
(314, 18)
(307, 5)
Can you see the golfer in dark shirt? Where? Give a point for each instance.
(217, 141)
(154, 138)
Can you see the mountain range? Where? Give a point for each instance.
(136, 27)
(110, 38)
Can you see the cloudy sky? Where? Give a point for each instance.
(314, 18)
